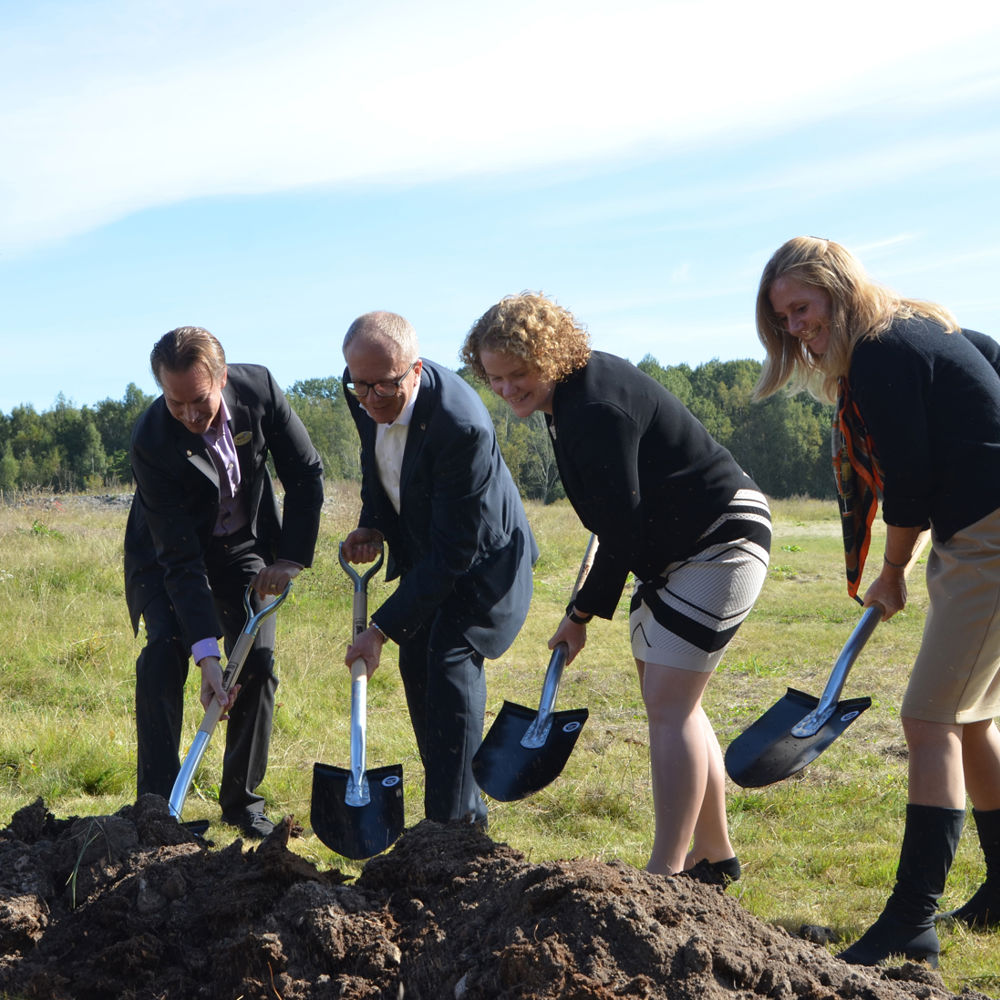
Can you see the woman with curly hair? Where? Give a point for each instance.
(918, 421)
(668, 504)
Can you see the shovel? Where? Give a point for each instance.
(214, 711)
(525, 750)
(355, 812)
(798, 727)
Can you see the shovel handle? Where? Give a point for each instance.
(357, 790)
(213, 713)
(588, 562)
(359, 580)
(357, 787)
(816, 719)
(538, 731)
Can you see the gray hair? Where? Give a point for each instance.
(388, 327)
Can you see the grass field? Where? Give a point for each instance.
(819, 848)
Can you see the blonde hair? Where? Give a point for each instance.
(533, 328)
(859, 309)
(185, 348)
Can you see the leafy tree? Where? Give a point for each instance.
(782, 442)
(9, 470)
(676, 378)
(115, 418)
(320, 404)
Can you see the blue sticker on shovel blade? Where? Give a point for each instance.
(571, 727)
(390, 781)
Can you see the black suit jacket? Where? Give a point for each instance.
(461, 542)
(177, 497)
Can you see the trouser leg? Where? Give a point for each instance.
(160, 672)
(445, 684)
(248, 731)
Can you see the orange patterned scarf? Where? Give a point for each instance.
(859, 483)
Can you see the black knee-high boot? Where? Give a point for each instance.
(982, 911)
(906, 925)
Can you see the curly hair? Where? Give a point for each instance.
(531, 327)
(859, 309)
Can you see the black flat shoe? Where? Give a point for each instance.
(716, 872)
(253, 825)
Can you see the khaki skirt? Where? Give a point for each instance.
(956, 678)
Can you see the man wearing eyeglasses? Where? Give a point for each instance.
(436, 490)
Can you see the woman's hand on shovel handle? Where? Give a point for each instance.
(211, 686)
(368, 647)
(903, 547)
(888, 592)
(574, 635)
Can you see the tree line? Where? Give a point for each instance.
(783, 442)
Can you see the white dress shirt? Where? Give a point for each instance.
(390, 443)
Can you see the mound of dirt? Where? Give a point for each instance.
(132, 906)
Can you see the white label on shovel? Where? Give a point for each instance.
(390, 781)
(571, 727)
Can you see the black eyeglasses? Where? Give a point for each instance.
(385, 389)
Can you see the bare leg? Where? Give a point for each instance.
(936, 775)
(981, 764)
(711, 831)
(679, 760)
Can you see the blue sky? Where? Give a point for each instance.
(271, 171)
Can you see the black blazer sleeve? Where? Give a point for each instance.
(176, 498)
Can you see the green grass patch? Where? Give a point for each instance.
(818, 848)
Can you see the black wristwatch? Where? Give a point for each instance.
(574, 617)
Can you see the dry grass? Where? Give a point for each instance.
(818, 848)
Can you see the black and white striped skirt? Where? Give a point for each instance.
(686, 617)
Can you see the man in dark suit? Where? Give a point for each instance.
(204, 524)
(436, 490)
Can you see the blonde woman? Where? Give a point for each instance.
(668, 504)
(918, 422)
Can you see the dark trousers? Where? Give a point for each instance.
(162, 669)
(445, 687)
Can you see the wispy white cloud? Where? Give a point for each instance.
(118, 106)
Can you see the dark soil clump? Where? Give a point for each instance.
(132, 906)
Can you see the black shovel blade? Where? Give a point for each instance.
(767, 751)
(357, 832)
(507, 771)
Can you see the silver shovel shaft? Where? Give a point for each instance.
(182, 783)
(185, 776)
(538, 732)
(816, 719)
(357, 793)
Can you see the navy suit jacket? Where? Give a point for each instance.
(461, 543)
(176, 499)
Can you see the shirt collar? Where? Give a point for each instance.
(217, 429)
